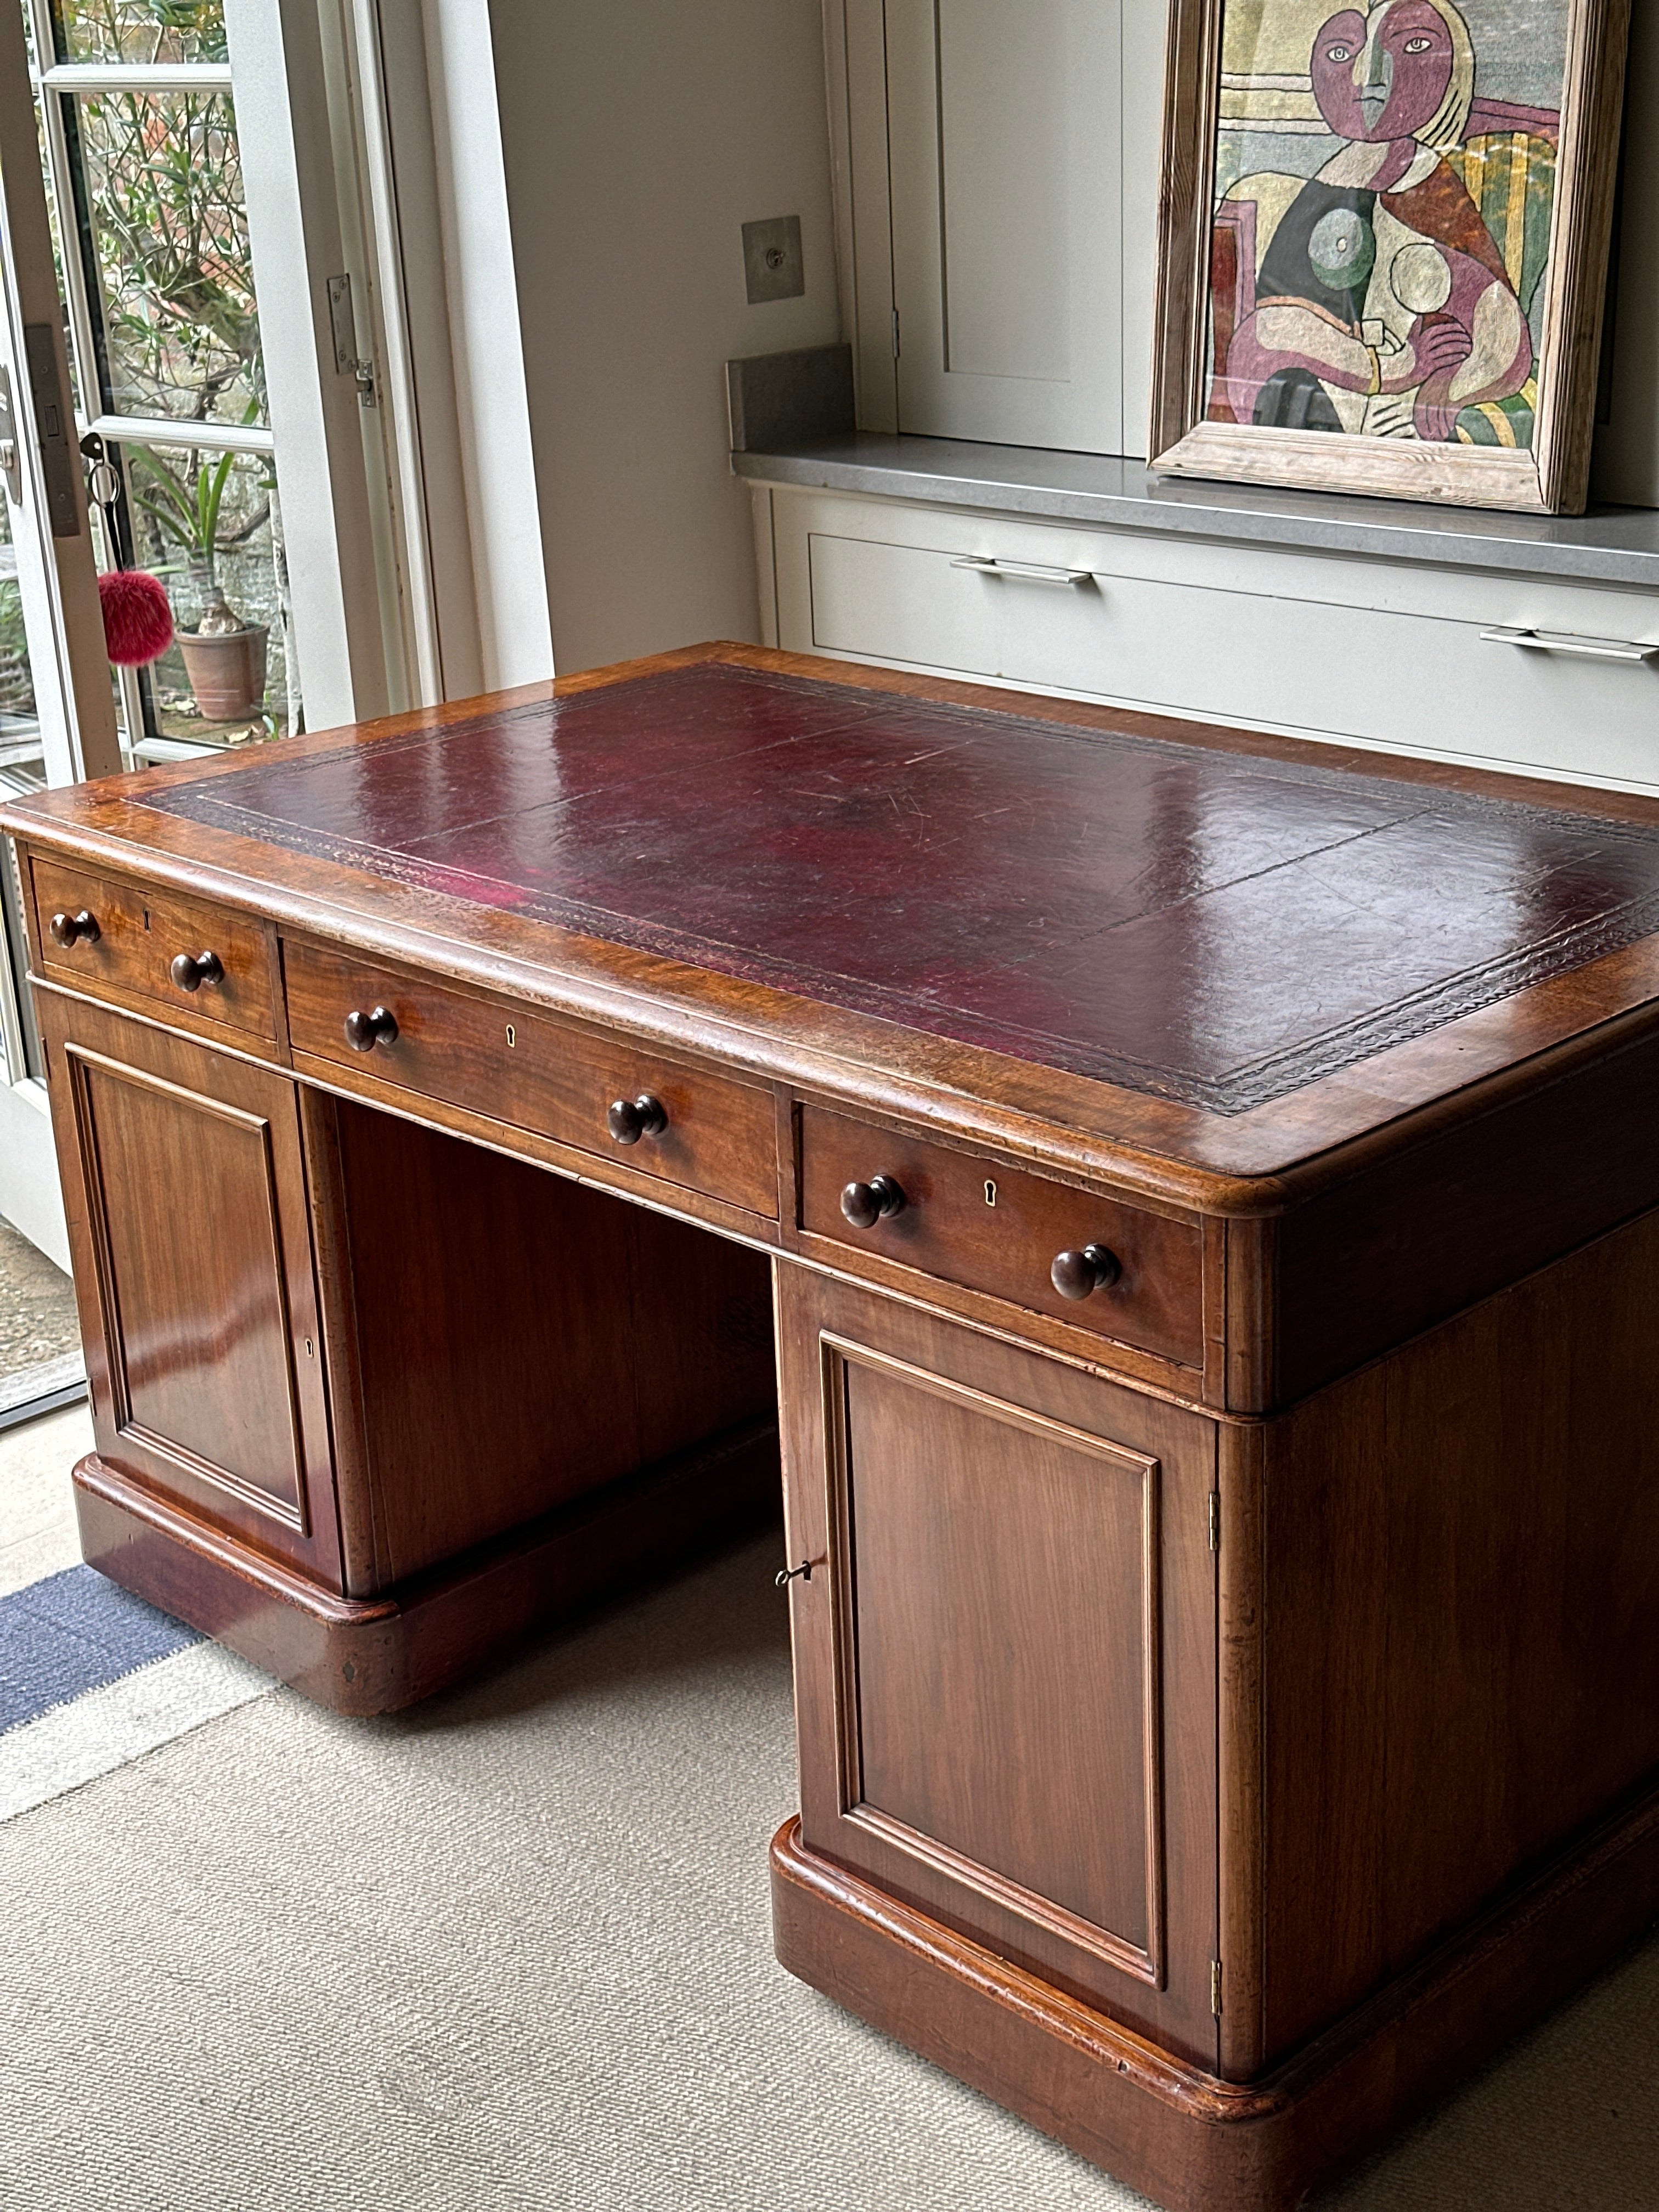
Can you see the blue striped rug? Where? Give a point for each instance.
(91, 1677)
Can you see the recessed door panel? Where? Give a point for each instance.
(194, 1283)
(1005, 133)
(1004, 1611)
(184, 1185)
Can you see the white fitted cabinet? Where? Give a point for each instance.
(1388, 654)
(999, 167)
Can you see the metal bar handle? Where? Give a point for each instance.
(1583, 649)
(1028, 572)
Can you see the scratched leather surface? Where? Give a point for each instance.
(1194, 924)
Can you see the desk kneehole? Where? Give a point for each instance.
(706, 1133)
(1132, 1276)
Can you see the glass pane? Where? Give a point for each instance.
(161, 181)
(20, 729)
(208, 525)
(140, 30)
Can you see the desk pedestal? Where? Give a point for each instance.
(370, 1402)
(1217, 1863)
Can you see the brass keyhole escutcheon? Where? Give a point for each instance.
(990, 1191)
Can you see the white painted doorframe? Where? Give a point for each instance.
(58, 584)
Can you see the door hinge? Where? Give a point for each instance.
(1215, 1987)
(1215, 1520)
(896, 334)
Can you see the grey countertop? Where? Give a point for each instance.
(1617, 545)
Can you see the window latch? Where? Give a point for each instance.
(11, 460)
(342, 325)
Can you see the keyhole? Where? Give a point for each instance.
(512, 1034)
(990, 1192)
(311, 1349)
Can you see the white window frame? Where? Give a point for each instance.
(428, 242)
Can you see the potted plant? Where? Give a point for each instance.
(224, 656)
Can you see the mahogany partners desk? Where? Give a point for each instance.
(1210, 1185)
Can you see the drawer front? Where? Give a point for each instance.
(140, 933)
(992, 1229)
(721, 1136)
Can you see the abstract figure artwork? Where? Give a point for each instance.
(1398, 285)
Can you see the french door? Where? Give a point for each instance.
(57, 716)
(178, 323)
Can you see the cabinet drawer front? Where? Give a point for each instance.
(721, 1136)
(1264, 645)
(140, 933)
(993, 1229)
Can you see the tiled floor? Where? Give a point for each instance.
(39, 1338)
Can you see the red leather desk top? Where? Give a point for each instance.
(1196, 925)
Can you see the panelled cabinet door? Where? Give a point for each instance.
(184, 1185)
(1004, 1652)
(1006, 163)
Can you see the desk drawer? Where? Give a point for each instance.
(992, 1229)
(719, 1138)
(140, 933)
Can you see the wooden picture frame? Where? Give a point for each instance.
(1235, 394)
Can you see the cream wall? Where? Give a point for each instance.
(638, 136)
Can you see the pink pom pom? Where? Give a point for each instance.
(138, 620)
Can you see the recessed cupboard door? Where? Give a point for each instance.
(1004, 1649)
(1005, 144)
(184, 1185)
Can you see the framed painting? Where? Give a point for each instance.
(1384, 245)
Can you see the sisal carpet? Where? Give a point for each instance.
(511, 1950)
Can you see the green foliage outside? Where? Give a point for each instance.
(170, 242)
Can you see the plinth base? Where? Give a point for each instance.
(373, 1655)
(1192, 2142)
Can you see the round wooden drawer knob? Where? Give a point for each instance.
(364, 1032)
(75, 928)
(866, 1203)
(1079, 1275)
(189, 970)
(630, 1119)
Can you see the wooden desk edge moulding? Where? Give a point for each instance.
(1185, 1193)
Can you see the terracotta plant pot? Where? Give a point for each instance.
(227, 671)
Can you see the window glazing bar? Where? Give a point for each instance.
(135, 76)
(184, 430)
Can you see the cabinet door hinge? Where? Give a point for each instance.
(896, 334)
(1215, 1987)
(1215, 1520)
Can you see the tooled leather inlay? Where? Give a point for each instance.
(1197, 925)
